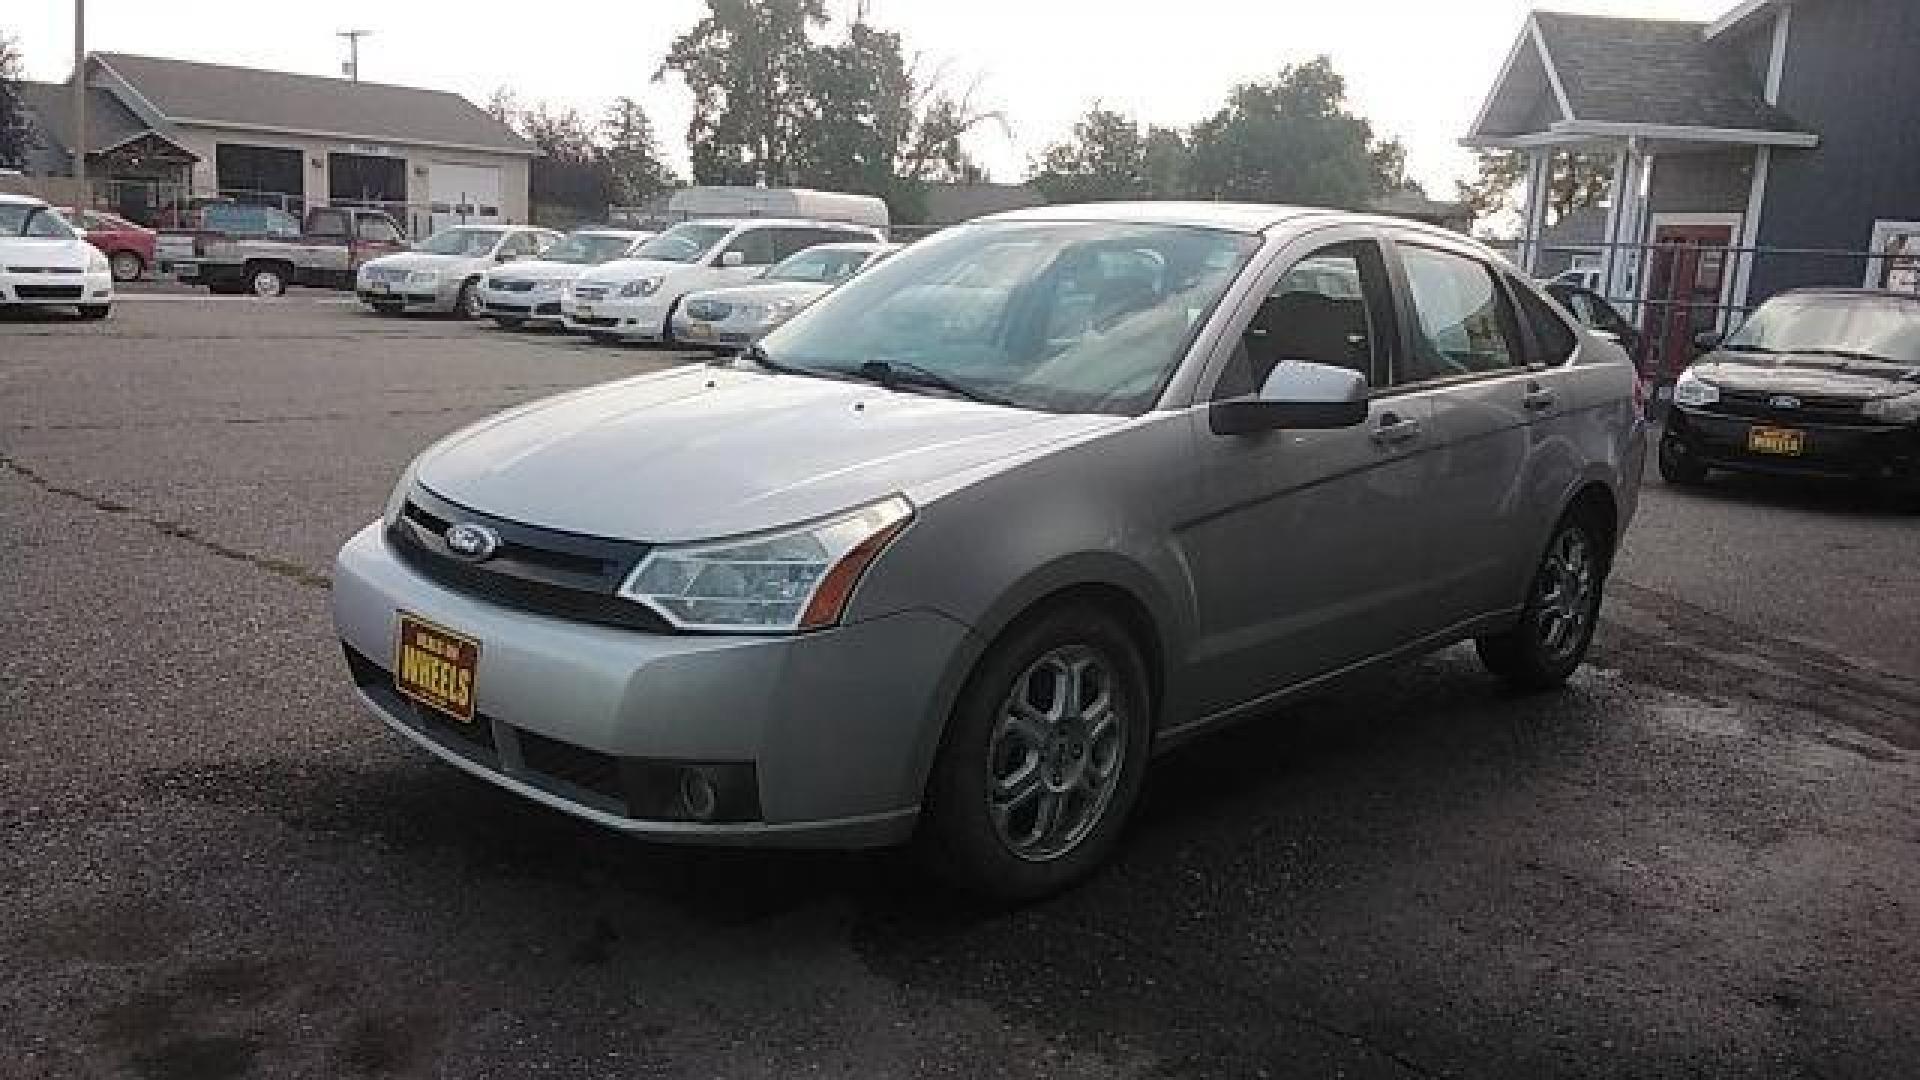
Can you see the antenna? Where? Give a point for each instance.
(351, 69)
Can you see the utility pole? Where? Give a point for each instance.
(81, 197)
(352, 66)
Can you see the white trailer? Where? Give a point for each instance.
(715, 201)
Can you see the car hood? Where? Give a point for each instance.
(620, 271)
(763, 292)
(1809, 375)
(411, 261)
(539, 270)
(45, 251)
(704, 452)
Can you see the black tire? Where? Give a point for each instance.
(509, 322)
(389, 309)
(961, 837)
(468, 305)
(602, 338)
(266, 280)
(126, 265)
(94, 312)
(666, 327)
(1550, 640)
(226, 288)
(1679, 468)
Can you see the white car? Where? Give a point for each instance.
(45, 263)
(633, 299)
(737, 315)
(529, 292)
(444, 273)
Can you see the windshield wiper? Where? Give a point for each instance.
(896, 374)
(758, 354)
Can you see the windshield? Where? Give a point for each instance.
(1064, 317)
(18, 219)
(1859, 326)
(686, 242)
(469, 242)
(587, 248)
(826, 265)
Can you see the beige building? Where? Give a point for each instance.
(160, 132)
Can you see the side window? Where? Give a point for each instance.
(1464, 325)
(524, 245)
(378, 230)
(1553, 340)
(330, 223)
(1328, 308)
(755, 246)
(788, 241)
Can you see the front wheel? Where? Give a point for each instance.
(1042, 760)
(1678, 467)
(267, 281)
(1557, 622)
(469, 305)
(509, 322)
(126, 265)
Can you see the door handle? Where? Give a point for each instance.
(1538, 398)
(1393, 430)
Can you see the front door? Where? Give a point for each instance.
(1310, 552)
(1686, 276)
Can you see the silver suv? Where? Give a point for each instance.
(951, 555)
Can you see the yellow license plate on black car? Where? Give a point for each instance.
(436, 667)
(1776, 440)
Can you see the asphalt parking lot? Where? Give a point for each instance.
(1701, 859)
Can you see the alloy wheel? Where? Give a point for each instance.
(1056, 754)
(126, 266)
(1564, 592)
(268, 283)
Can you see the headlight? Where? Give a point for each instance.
(397, 499)
(429, 278)
(795, 579)
(96, 262)
(1904, 409)
(1693, 390)
(645, 286)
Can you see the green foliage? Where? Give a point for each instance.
(584, 167)
(1575, 181)
(1288, 140)
(750, 65)
(13, 115)
(632, 154)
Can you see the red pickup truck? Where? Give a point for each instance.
(236, 248)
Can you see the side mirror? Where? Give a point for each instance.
(733, 258)
(1708, 340)
(1297, 395)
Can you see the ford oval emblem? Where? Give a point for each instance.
(472, 543)
(1784, 401)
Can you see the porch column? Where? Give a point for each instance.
(1539, 180)
(1613, 261)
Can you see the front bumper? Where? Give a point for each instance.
(836, 728)
(725, 334)
(408, 295)
(55, 290)
(532, 306)
(629, 319)
(1862, 450)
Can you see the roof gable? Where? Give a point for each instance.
(109, 123)
(184, 92)
(1652, 71)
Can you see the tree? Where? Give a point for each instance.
(750, 67)
(1576, 180)
(632, 154)
(1289, 140)
(13, 113)
(1105, 158)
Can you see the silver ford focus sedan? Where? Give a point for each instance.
(950, 556)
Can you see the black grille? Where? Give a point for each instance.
(48, 292)
(596, 320)
(512, 286)
(588, 770)
(1810, 410)
(43, 270)
(541, 570)
(507, 309)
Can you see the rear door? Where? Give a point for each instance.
(1308, 554)
(1468, 352)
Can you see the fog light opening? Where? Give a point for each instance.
(698, 795)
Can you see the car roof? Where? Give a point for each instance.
(624, 234)
(11, 199)
(1885, 294)
(1234, 217)
(849, 245)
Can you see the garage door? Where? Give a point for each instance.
(463, 194)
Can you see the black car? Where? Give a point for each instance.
(1817, 383)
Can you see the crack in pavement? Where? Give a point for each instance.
(166, 527)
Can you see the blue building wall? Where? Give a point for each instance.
(1853, 78)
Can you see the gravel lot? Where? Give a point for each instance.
(1701, 859)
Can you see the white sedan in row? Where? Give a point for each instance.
(45, 263)
(529, 292)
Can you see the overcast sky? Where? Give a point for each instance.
(1418, 69)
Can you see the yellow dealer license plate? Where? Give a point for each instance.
(436, 667)
(699, 330)
(1774, 440)
(584, 311)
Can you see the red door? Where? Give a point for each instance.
(1685, 275)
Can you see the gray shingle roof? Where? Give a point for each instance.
(247, 97)
(1654, 71)
(108, 122)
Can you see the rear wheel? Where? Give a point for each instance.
(1042, 760)
(94, 312)
(1563, 604)
(1678, 467)
(126, 265)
